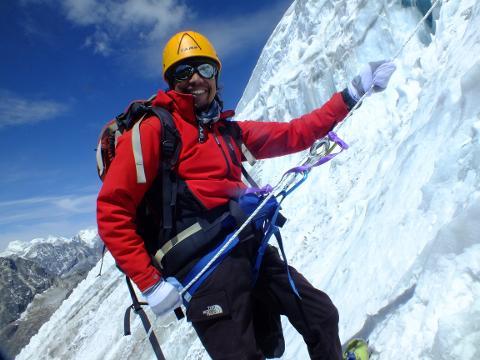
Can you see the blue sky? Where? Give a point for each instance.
(69, 66)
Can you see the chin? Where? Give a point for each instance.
(203, 105)
(201, 108)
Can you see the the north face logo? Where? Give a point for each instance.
(213, 310)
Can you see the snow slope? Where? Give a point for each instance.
(389, 229)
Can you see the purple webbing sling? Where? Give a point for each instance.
(333, 137)
(304, 168)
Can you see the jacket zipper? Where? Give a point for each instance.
(231, 150)
(223, 152)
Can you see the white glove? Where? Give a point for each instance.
(162, 298)
(373, 77)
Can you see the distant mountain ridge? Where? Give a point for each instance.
(52, 265)
(57, 255)
(26, 248)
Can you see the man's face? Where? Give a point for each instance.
(201, 83)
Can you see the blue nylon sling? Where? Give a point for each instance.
(264, 221)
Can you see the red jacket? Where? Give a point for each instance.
(201, 165)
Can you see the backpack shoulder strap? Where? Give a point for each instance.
(137, 152)
(170, 142)
(170, 136)
(236, 133)
(131, 118)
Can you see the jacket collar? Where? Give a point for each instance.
(183, 104)
(177, 102)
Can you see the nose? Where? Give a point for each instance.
(195, 77)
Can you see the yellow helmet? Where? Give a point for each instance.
(187, 44)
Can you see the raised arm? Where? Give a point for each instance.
(270, 139)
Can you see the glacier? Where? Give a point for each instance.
(389, 228)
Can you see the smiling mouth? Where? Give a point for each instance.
(198, 92)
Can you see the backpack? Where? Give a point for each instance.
(130, 119)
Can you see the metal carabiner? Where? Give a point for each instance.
(318, 149)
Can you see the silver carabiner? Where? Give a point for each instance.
(318, 149)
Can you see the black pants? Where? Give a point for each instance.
(222, 310)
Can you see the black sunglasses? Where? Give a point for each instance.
(185, 71)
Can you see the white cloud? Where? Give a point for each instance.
(14, 171)
(41, 216)
(45, 209)
(85, 12)
(237, 33)
(28, 201)
(77, 204)
(29, 2)
(17, 110)
(230, 36)
(117, 22)
(136, 30)
(100, 42)
(124, 14)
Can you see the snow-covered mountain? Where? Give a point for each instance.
(39, 275)
(389, 228)
(57, 255)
